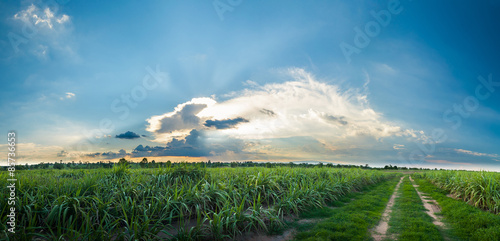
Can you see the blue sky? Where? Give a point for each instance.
(407, 83)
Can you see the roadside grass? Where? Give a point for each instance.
(480, 189)
(408, 219)
(351, 217)
(467, 222)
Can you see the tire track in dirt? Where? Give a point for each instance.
(431, 205)
(380, 231)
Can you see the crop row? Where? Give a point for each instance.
(481, 189)
(186, 202)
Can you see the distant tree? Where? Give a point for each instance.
(153, 164)
(169, 164)
(122, 161)
(58, 165)
(234, 164)
(202, 164)
(144, 162)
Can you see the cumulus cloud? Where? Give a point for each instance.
(127, 135)
(43, 17)
(45, 32)
(225, 124)
(179, 122)
(303, 106)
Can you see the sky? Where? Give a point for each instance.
(406, 83)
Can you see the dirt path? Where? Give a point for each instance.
(380, 231)
(431, 205)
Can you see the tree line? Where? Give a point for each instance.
(145, 163)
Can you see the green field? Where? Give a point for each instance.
(191, 202)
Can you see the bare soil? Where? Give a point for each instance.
(431, 205)
(380, 231)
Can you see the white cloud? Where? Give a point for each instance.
(43, 32)
(41, 52)
(179, 122)
(398, 147)
(68, 96)
(302, 107)
(473, 153)
(41, 17)
(384, 68)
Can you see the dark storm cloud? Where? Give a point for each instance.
(127, 135)
(225, 124)
(184, 119)
(108, 155)
(193, 145)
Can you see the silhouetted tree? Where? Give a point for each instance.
(144, 162)
(122, 161)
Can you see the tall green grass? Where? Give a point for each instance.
(480, 189)
(352, 216)
(180, 203)
(467, 222)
